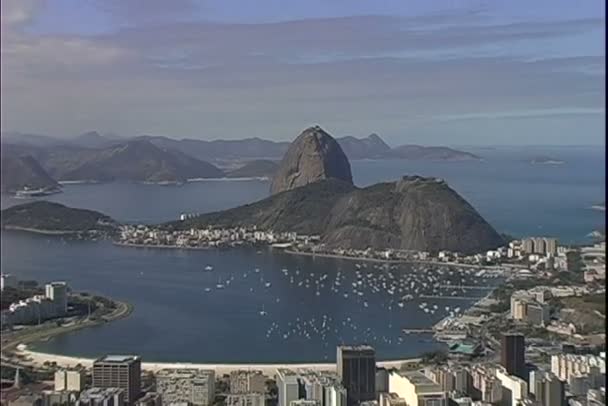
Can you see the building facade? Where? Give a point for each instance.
(512, 354)
(356, 366)
(193, 386)
(119, 371)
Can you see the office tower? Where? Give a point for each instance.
(308, 385)
(58, 293)
(528, 246)
(288, 387)
(357, 369)
(381, 380)
(514, 389)
(512, 354)
(193, 386)
(119, 371)
(69, 380)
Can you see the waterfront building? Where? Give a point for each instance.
(193, 386)
(102, 397)
(324, 387)
(356, 366)
(247, 382)
(288, 387)
(515, 389)
(512, 354)
(150, 399)
(119, 371)
(416, 389)
(246, 399)
(33, 310)
(539, 245)
(58, 293)
(69, 380)
(7, 281)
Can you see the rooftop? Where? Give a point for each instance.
(421, 382)
(118, 358)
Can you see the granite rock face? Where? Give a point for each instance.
(414, 213)
(313, 156)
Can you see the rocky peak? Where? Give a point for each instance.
(313, 156)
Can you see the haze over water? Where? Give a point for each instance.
(175, 319)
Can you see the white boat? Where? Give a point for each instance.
(263, 312)
(268, 284)
(220, 285)
(208, 268)
(207, 289)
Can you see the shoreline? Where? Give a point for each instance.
(67, 361)
(33, 334)
(41, 231)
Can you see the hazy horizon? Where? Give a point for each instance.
(469, 73)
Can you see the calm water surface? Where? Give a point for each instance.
(176, 319)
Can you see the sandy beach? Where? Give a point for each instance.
(39, 358)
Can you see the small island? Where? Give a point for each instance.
(53, 218)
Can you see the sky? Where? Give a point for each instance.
(444, 72)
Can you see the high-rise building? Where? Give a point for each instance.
(512, 354)
(515, 389)
(193, 386)
(539, 245)
(119, 371)
(69, 380)
(551, 246)
(381, 381)
(357, 369)
(304, 384)
(58, 293)
(546, 388)
(247, 382)
(416, 389)
(102, 397)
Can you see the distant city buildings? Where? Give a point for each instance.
(119, 371)
(192, 386)
(356, 366)
(514, 388)
(530, 307)
(38, 308)
(547, 389)
(150, 399)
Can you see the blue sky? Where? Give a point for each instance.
(426, 72)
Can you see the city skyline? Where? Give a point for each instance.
(453, 73)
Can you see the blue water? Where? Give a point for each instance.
(175, 319)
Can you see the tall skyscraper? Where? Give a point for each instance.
(119, 371)
(357, 369)
(512, 354)
(58, 293)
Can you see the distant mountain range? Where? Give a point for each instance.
(95, 157)
(20, 172)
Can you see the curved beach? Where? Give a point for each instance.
(35, 358)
